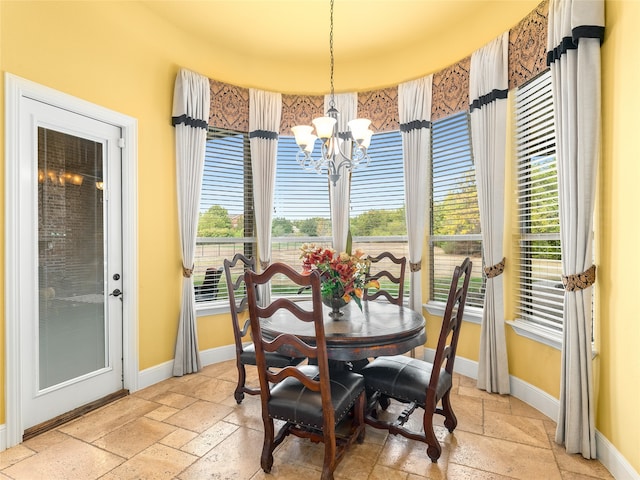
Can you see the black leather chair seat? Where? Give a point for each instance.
(403, 378)
(291, 401)
(274, 359)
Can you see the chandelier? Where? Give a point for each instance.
(335, 154)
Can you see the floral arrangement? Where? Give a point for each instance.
(342, 275)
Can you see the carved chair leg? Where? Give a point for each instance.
(433, 445)
(359, 408)
(329, 464)
(266, 460)
(242, 376)
(450, 418)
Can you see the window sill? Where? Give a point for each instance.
(471, 314)
(536, 333)
(211, 308)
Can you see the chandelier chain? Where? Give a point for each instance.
(331, 100)
(336, 156)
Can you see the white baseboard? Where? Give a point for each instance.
(3, 437)
(611, 458)
(607, 454)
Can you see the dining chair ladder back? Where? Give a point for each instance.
(419, 383)
(386, 277)
(238, 304)
(313, 404)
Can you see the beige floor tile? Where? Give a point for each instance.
(178, 438)
(380, 472)
(529, 431)
(581, 476)
(223, 370)
(162, 412)
(518, 407)
(208, 439)
(107, 419)
(466, 381)
(358, 461)
(190, 427)
(491, 405)
(300, 451)
(411, 456)
(198, 416)
(134, 437)
(468, 411)
(173, 399)
(247, 414)
(238, 457)
(154, 390)
(286, 471)
(14, 455)
(66, 460)
(460, 472)
(472, 391)
(576, 463)
(158, 462)
(45, 440)
(206, 388)
(375, 435)
(504, 457)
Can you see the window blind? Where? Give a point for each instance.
(455, 215)
(540, 292)
(226, 219)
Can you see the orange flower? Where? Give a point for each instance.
(343, 275)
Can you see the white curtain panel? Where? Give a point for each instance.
(414, 110)
(347, 106)
(488, 88)
(576, 29)
(265, 112)
(190, 117)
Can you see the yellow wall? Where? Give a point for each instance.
(618, 236)
(120, 57)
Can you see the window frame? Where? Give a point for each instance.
(535, 140)
(248, 243)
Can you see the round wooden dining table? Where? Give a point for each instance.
(378, 329)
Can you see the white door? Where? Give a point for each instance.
(70, 222)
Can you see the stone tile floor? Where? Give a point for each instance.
(191, 428)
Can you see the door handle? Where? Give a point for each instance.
(115, 293)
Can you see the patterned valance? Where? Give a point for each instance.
(527, 58)
(381, 107)
(300, 110)
(229, 106)
(527, 46)
(451, 90)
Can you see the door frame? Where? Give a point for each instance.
(17, 88)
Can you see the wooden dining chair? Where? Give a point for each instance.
(419, 383)
(389, 271)
(238, 304)
(312, 403)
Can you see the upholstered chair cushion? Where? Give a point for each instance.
(274, 359)
(403, 378)
(293, 402)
